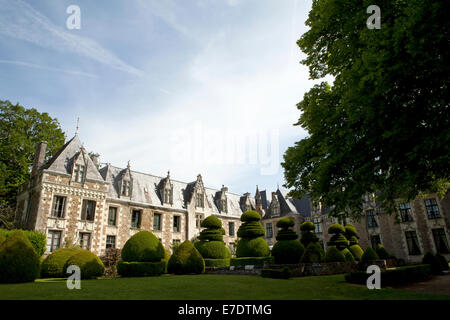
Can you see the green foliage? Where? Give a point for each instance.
(186, 260)
(256, 247)
(288, 251)
(21, 130)
(381, 98)
(339, 241)
(217, 262)
(286, 233)
(351, 234)
(356, 251)
(250, 230)
(141, 269)
(443, 261)
(395, 277)
(285, 223)
(211, 235)
(254, 261)
(348, 255)
(90, 265)
(284, 273)
(313, 253)
(250, 215)
(434, 262)
(334, 255)
(144, 246)
(53, 265)
(7, 214)
(211, 222)
(38, 239)
(19, 261)
(336, 229)
(307, 226)
(212, 249)
(307, 233)
(382, 252)
(2, 238)
(369, 255)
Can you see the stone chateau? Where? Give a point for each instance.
(71, 199)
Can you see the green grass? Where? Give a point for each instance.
(211, 287)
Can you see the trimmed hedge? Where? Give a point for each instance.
(250, 215)
(211, 235)
(356, 251)
(211, 222)
(334, 255)
(287, 251)
(217, 262)
(284, 273)
(37, 239)
(307, 233)
(144, 246)
(211, 249)
(186, 260)
(382, 252)
(256, 247)
(251, 229)
(398, 276)
(369, 255)
(255, 261)
(19, 261)
(313, 253)
(91, 266)
(141, 269)
(348, 255)
(53, 265)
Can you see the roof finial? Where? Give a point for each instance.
(168, 173)
(78, 122)
(128, 165)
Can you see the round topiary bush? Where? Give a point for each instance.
(336, 229)
(250, 215)
(307, 233)
(307, 226)
(313, 253)
(334, 255)
(186, 260)
(251, 244)
(382, 252)
(144, 246)
(369, 255)
(53, 265)
(212, 249)
(288, 251)
(356, 251)
(351, 234)
(91, 266)
(285, 223)
(256, 247)
(19, 261)
(348, 255)
(211, 222)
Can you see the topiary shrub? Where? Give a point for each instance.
(217, 262)
(443, 261)
(348, 255)
(287, 249)
(2, 238)
(251, 244)
(144, 246)
(351, 234)
(369, 255)
(90, 265)
(37, 239)
(356, 251)
(334, 255)
(338, 239)
(307, 233)
(313, 253)
(141, 269)
(53, 265)
(382, 252)
(336, 228)
(19, 261)
(211, 245)
(434, 262)
(186, 260)
(212, 249)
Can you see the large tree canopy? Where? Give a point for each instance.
(21, 130)
(383, 125)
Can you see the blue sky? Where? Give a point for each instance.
(191, 86)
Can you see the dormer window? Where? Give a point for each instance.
(223, 205)
(79, 173)
(126, 188)
(200, 200)
(167, 194)
(275, 211)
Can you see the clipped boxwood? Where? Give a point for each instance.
(307, 233)
(313, 253)
(141, 269)
(251, 229)
(252, 261)
(256, 247)
(288, 251)
(37, 239)
(250, 215)
(382, 252)
(144, 246)
(334, 255)
(19, 262)
(336, 229)
(186, 260)
(348, 255)
(356, 251)
(369, 255)
(351, 234)
(91, 266)
(284, 273)
(285, 223)
(53, 265)
(211, 222)
(217, 262)
(212, 249)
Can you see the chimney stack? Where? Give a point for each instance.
(94, 159)
(39, 158)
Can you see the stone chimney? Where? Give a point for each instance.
(94, 159)
(39, 158)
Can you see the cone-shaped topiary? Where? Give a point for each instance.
(348, 255)
(307, 233)
(211, 245)
(91, 266)
(338, 239)
(251, 244)
(53, 265)
(19, 262)
(334, 255)
(356, 251)
(144, 246)
(186, 260)
(382, 252)
(287, 249)
(369, 255)
(351, 234)
(313, 253)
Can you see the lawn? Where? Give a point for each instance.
(211, 287)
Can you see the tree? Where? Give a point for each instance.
(383, 125)
(21, 130)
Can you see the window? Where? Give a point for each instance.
(125, 188)
(223, 205)
(231, 228)
(405, 212)
(440, 240)
(371, 219)
(269, 232)
(432, 209)
(168, 195)
(110, 242)
(199, 199)
(85, 241)
(136, 219)
(88, 210)
(275, 210)
(53, 240)
(413, 243)
(157, 221)
(78, 173)
(112, 215)
(59, 206)
(176, 223)
(317, 225)
(375, 240)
